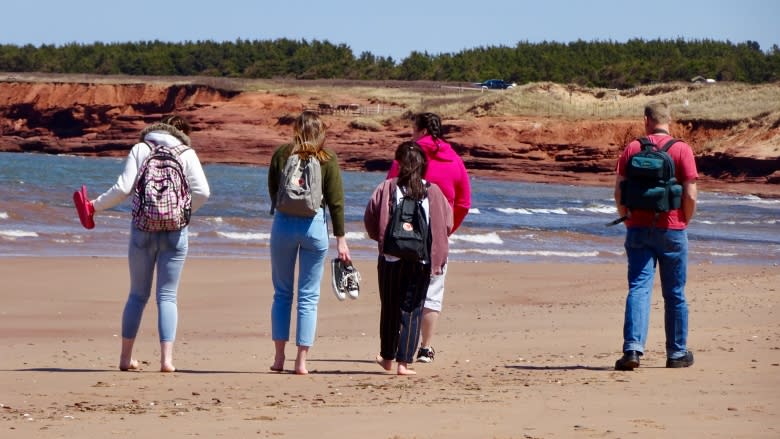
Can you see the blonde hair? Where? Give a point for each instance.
(309, 136)
(658, 112)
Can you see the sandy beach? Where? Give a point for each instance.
(523, 351)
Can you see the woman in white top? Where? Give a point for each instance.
(165, 250)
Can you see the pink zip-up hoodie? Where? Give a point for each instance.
(446, 169)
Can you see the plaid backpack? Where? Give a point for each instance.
(162, 201)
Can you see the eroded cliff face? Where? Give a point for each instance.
(233, 127)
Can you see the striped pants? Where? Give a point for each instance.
(402, 289)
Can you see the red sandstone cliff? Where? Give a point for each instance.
(243, 127)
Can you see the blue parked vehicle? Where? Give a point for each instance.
(495, 84)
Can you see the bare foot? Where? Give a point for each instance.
(386, 364)
(278, 365)
(167, 367)
(130, 365)
(404, 370)
(300, 367)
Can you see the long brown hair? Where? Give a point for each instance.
(309, 136)
(177, 122)
(412, 166)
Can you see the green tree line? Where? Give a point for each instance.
(595, 63)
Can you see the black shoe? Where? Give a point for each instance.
(345, 279)
(337, 277)
(685, 361)
(425, 354)
(629, 361)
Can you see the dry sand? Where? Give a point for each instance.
(523, 351)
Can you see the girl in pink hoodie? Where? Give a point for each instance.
(446, 169)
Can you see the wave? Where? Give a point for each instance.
(74, 240)
(553, 253)
(610, 210)
(739, 199)
(474, 211)
(355, 236)
(729, 255)
(524, 211)
(486, 238)
(3, 215)
(245, 236)
(757, 199)
(733, 223)
(599, 208)
(13, 234)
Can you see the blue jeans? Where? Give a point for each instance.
(646, 247)
(165, 251)
(294, 237)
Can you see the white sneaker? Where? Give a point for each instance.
(352, 281)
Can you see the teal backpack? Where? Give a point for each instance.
(650, 183)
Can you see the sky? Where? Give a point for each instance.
(390, 28)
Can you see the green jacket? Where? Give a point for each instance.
(332, 186)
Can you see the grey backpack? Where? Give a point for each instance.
(300, 187)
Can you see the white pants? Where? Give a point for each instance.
(435, 295)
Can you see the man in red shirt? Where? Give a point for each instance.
(654, 238)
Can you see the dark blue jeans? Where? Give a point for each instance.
(668, 249)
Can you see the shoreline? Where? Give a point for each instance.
(707, 184)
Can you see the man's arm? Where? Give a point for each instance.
(689, 196)
(622, 210)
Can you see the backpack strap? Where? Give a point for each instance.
(646, 144)
(669, 144)
(177, 150)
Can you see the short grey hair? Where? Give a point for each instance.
(658, 111)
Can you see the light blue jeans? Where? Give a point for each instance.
(646, 247)
(293, 238)
(165, 252)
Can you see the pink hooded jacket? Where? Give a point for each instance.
(446, 169)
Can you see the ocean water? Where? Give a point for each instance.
(509, 221)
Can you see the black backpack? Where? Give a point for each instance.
(408, 234)
(650, 183)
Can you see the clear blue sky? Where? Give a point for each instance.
(389, 28)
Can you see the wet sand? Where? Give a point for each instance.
(523, 351)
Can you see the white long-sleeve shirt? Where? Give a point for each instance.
(196, 178)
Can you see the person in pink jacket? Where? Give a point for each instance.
(446, 170)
